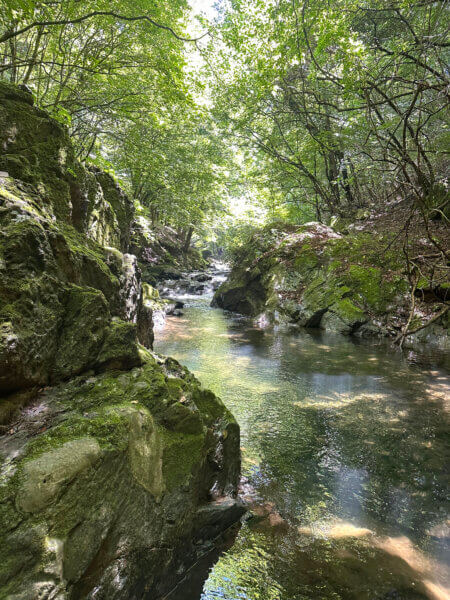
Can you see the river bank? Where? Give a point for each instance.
(116, 466)
(357, 279)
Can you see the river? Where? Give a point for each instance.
(343, 462)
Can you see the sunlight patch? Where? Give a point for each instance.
(334, 530)
(338, 400)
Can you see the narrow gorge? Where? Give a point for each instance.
(224, 300)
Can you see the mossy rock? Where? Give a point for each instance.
(105, 468)
(314, 277)
(122, 207)
(113, 453)
(153, 274)
(36, 149)
(120, 349)
(58, 291)
(83, 331)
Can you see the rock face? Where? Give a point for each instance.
(160, 253)
(105, 484)
(315, 277)
(110, 456)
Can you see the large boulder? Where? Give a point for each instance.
(37, 150)
(59, 291)
(121, 205)
(106, 484)
(314, 277)
(64, 275)
(115, 465)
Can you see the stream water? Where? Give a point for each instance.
(343, 462)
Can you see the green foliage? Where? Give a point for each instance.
(340, 105)
(123, 89)
(312, 109)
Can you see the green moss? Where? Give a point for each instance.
(149, 293)
(38, 153)
(86, 319)
(120, 205)
(366, 281)
(322, 292)
(210, 406)
(22, 241)
(99, 408)
(120, 350)
(109, 426)
(10, 312)
(348, 311)
(307, 258)
(365, 249)
(9, 91)
(423, 283)
(82, 247)
(181, 453)
(8, 195)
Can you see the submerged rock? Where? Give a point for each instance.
(196, 288)
(202, 277)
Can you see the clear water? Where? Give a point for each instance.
(344, 450)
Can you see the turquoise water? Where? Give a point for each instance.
(344, 449)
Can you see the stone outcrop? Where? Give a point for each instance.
(161, 254)
(110, 456)
(105, 483)
(315, 277)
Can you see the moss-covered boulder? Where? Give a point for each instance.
(110, 457)
(84, 328)
(63, 274)
(122, 210)
(104, 480)
(37, 150)
(59, 291)
(313, 276)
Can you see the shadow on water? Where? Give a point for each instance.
(344, 450)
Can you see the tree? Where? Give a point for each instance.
(94, 65)
(347, 99)
(115, 73)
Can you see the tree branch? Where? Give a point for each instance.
(98, 13)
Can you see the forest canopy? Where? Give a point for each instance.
(116, 74)
(312, 109)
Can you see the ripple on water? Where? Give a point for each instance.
(344, 462)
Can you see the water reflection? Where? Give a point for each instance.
(344, 455)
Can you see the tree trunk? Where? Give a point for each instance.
(34, 56)
(12, 48)
(187, 240)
